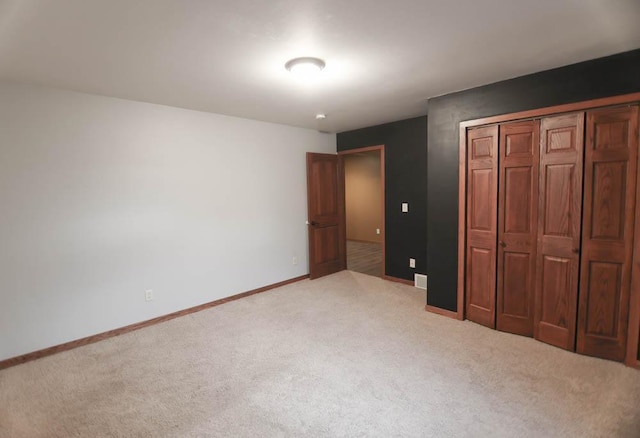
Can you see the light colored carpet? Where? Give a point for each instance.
(347, 355)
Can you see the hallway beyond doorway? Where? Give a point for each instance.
(364, 257)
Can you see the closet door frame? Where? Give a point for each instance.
(633, 337)
(634, 314)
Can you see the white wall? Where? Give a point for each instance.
(102, 198)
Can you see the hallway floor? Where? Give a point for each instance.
(364, 257)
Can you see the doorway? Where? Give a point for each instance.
(363, 171)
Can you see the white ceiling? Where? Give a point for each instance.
(384, 58)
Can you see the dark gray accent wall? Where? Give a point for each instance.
(603, 77)
(406, 181)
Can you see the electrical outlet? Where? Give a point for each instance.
(294, 260)
(377, 230)
(148, 295)
(412, 263)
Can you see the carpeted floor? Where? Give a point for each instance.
(347, 355)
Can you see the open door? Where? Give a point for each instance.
(325, 198)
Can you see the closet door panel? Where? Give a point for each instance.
(559, 224)
(517, 226)
(516, 293)
(482, 180)
(608, 234)
(557, 313)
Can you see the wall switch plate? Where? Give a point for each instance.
(148, 295)
(377, 230)
(294, 260)
(412, 263)
(405, 207)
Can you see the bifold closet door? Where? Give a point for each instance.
(607, 236)
(559, 217)
(519, 149)
(482, 191)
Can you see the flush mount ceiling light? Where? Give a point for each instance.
(321, 116)
(306, 66)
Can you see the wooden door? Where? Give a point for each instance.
(325, 202)
(482, 191)
(517, 226)
(558, 240)
(608, 231)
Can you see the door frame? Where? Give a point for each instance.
(342, 187)
(634, 307)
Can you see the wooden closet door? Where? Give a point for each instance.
(482, 195)
(517, 226)
(559, 217)
(607, 234)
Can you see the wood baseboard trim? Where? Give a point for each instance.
(633, 364)
(364, 241)
(398, 280)
(7, 363)
(443, 312)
